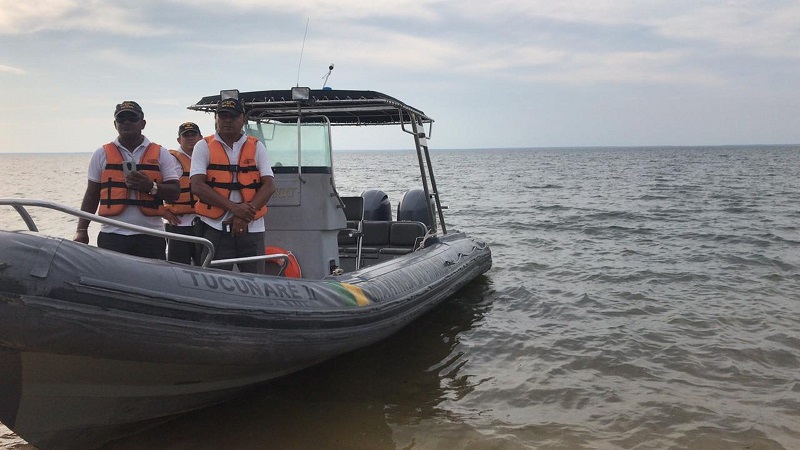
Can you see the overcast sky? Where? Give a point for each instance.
(492, 73)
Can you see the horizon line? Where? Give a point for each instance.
(546, 147)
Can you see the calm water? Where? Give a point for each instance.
(641, 298)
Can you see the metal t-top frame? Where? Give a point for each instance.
(343, 108)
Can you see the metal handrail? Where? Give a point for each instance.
(278, 256)
(19, 205)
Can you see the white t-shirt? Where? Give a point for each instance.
(200, 158)
(184, 220)
(170, 170)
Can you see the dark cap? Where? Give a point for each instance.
(188, 126)
(129, 106)
(231, 105)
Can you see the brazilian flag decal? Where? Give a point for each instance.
(352, 295)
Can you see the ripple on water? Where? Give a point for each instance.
(639, 298)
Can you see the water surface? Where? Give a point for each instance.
(641, 298)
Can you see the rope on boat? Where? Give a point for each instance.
(429, 233)
(479, 246)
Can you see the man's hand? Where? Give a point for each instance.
(239, 226)
(171, 217)
(244, 211)
(138, 181)
(81, 236)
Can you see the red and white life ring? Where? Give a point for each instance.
(293, 270)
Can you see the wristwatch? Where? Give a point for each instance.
(154, 189)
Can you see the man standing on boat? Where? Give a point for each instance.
(232, 177)
(128, 180)
(180, 215)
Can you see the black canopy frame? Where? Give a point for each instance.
(340, 107)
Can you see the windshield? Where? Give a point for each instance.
(281, 142)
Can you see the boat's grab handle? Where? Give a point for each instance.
(19, 204)
(283, 257)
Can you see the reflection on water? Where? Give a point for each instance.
(355, 401)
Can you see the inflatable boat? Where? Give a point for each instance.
(95, 344)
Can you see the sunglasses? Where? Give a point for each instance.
(132, 118)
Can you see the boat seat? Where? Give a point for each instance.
(375, 236)
(404, 237)
(381, 241)
(347, 262)
(347, 238)
(353, 234)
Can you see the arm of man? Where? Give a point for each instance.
(260, 199)
(91, 198)
(171, 173)
(264, 193)
(206, 194)
(167, 190)
(211, 197)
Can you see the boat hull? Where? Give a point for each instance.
(96, 344)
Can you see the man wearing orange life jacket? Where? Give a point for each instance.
(130, 193)
(232, 178)
(179, 215)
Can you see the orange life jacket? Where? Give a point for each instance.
(185, 202)
(219, 176)
(114, 192)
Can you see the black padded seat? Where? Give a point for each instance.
(404, 236)
(349, 237)
(375, 234)
(352, 236)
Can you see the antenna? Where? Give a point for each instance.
(301, 52)
(330, 69)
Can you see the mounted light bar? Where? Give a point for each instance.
(229, 93)
(301, 93)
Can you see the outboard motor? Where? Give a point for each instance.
(376, 205)
(413, 207)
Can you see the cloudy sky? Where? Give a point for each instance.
(499, 73)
